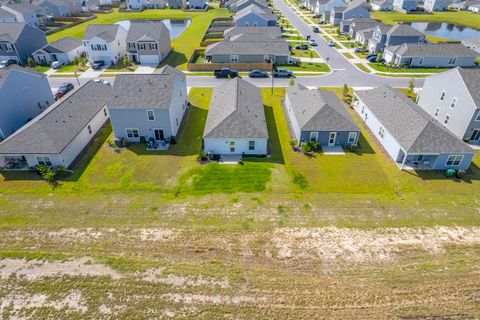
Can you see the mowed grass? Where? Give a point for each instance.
(384, 68)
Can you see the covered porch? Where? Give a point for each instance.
(416, 161)
(13, 163)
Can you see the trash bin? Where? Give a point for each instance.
(449, 172)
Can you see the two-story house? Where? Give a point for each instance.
(148, 107)
(24, 93)
(356, 9)
(324, 7)
(148, 42)
(453, 98)
(24, 13)
(255, 16)
(405, 5)
(105, 42)
(237, 5)
(385, 35)
(436, 5)
(19, 40)
(56, 8)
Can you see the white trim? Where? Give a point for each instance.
(437, 112)
(313, 133)
(455, 156)
(133, 138)
(249, 141)
(445, 120)
(44, 160)
(477, 118)
(330, 144)
(354, 134)
(148, 116)
(153, 129)
(454, 104)
(442, 95)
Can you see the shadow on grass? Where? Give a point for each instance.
(363, 146)
(174, 59)
(472, 174)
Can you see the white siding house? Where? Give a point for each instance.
(64, 50)
(105, 42)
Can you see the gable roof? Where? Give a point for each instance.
(402, 29)
(272, 31)
(254, 37)
(5, 72)
(167, 69)
(154, 30)
(21, 8)
(64, 45)
(11, 31)
(471, 79)
(319, 110)
(53, 130)
(142, 91)
(414, 129)
(107, 32)
(432, 50)
(255, 9)
(245, 47)
(236, 111)
(5, 14)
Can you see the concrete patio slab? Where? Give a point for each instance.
(333, 151)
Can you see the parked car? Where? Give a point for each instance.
(258, 74)
(371, 55)
(321, 22)
(316, 29)
(63, 90)
(225, 73)
(312, 42)
(372, 59)
(302, 46)
(284, 73)
(102, 81)
(330, 43)
(308, 37)
(358, 49)
(6, 63)
(97, 65)
(56, 65)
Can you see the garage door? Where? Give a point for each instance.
(149, 59)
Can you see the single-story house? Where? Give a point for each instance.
(254, 15)
(473, 44)
(58, 135)
(236, 120)
(319, 116)
(148, 107)
(274, 32)
(430, 55)
(64, 50)
(382, 5)
(453, 98)
(410, 136)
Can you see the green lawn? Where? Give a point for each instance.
(72, 68)
(383, 68)
(362, 67)
(348, 55)
(305, 53)
(121, 67)
(42, 69)
(309, 66)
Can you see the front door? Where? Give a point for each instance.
(332, 138)
(475, 135)
(54, 56)
(159, 134)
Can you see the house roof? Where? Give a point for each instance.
(471, 78)
(358, 3)
(167, 69)
(402, 29)
(382, 3)
(64, 45)
(319, 110)
(236, 111)
(22, 8)
(53, 130)
(254, 37)
(107, 32)
(244, 47)
(142, 91)
(11, 31)
(359, 21)
(5, 14)
(273, 31)
(153, 30)
(58, 3)
(414, 129)
(432, 50)
(475, 42)
(5, 72)
(339, 9)
(255, 9)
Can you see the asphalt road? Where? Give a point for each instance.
(343, 72)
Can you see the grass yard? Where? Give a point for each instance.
(362, 67)
(42, 69)
(305, 53)
(121, 67)
(309, 66)
(348, 55)
(384, 68)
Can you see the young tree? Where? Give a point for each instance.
(411, 85)
(345, 91)
(311, 55)
(76, 63)
(31, 62)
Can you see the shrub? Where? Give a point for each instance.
(46, 173)
(294, 143)
(306, 148)
(60, 171)
(202, 157)
(300, 180)
(125, 143)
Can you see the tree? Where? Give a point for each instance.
(76, 63)
(31, 62)
(291, 82)
(411, 85)
(311, 55)
(345, 91)
(126, 62)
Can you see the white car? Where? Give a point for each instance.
(56, 65)
(312, 42)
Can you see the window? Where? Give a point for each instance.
(153, 46)
(454, 160)
(131, 45)
(417, 158)
(141, 46)
(105, 111)
(132, 133)
(251, 145)
(452, 61)
(453, 103)
(233, 58)
(89, 128)
(477, 118)
(352, 137)
(446, 120)
(442, 96)
(232, 146)
(266, 58)
(381, 132)
(313, 136)
(176, 120)
(363, 109)
(420, 61)
(44, 160)
(150, 115)
(437, 112)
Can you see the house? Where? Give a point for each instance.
(197, 4)
(148, 106)
(255, 16)
(56, 8)
(237, 5)
(24, 13)
(76, 5)
(319, 116)
(473, 44)
(324, 7)
(429, 55)
(249, 50)
(362, 36)
(405, 5)
(385, 36)
(19, 40)
(146, 4)
(356, 9)
(475, 8)
(464, 5)
(436, 5)
(148, 42)
(105, 42)
(382, 5)
(7, 16)
(274, 32)
(176, 4)
(351, 26)
(236, 120)
(58, 135)
(24, 94)
(453, 98)
(64, 50)
(410, 136)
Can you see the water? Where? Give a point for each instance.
(175, 26)
(446, 30)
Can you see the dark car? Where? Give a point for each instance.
(371, 55)
(302, 46)
(372, 59)
(316, 29)
(258, 74)
(97, 65)
(282, 73)
(6, 63)
(63, 90)
(225, 73)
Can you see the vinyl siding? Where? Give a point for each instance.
(221, 146)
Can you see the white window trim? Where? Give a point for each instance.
(442, 95)
(354, 135)
(153, 113)
(234, 58)
(313, 133)
(249, 142)
(455, 157)
(451, 103)
(437, 112)
(126, 133)
(43, 160)
(160, 129)
(445, 119)
(477, 118)
(420, 61)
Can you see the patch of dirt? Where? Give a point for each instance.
(157, 234)
(188, 298)
(35, 269)
(156, 276)
(361, 245)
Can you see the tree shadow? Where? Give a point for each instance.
(472, 174)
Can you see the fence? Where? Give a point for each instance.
(77, 22)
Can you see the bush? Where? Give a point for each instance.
(124, 143)
(202, 157)
(46, 173)
(306, 148)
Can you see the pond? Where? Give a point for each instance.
(175, 26)
(446, 30)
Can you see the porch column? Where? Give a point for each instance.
(403, 162)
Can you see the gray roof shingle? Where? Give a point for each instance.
(272, 31)
(5, 14)
(471, 78)
(319, 110)
(53, 130)
(107, 32)
(5, 72)
(244, 47)
(11, 31)
(402, 29)
(253, 8)
(142, 91)
(414, 129)
(236, 111)
(432, 50)
(154, 30)
(64, 45)
(167, 69)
